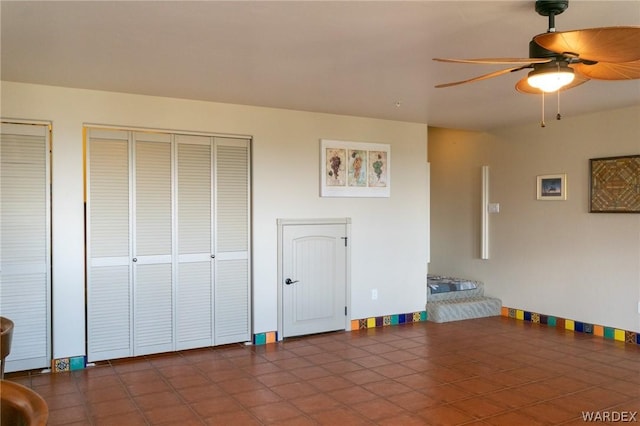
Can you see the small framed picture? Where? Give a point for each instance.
(552, 187)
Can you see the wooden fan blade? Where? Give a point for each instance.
(503, 61)
(481, 77)
(606, 44)
(609, 71)
(523, 86)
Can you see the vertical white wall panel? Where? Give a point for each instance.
(25, 285)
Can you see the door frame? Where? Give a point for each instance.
(318, 221)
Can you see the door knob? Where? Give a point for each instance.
(289, 282)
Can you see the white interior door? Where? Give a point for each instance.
(314, 278)
(153, 244)
(232, 306)
(194, 284)
(109, 293)
(25, 259)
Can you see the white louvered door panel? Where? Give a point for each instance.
(25, 279)
(153, 244)
(194, 285)
(109, 318)
(232, 279)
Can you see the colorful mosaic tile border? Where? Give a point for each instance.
(609, 333)
(358, 324)
(68, 364)
(388, 320)
(264, 338)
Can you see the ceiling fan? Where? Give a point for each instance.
(564, 60)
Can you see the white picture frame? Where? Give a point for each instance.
(354, 169)
(551, 187)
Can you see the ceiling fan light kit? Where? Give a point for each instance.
(551, 79)
(563, 60)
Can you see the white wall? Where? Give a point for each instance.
(389, 235)
(550, 257)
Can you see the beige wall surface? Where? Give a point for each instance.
(550, 257)
(389, 235)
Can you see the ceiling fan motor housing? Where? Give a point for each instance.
(537, 51)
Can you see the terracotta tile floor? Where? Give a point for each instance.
(492, 371)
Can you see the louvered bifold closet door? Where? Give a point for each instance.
(194, 284)
(153, 244)
(109, 295)
(232, 278)
(25, 279)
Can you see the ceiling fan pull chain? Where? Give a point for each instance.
(558, 116)
(542, 121)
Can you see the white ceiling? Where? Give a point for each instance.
(349, 57)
